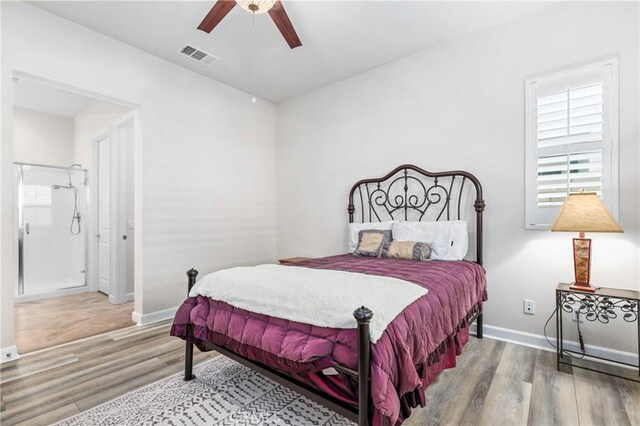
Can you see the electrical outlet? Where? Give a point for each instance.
(574, 315)
(529, 307)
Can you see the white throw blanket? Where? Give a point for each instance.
(320, 297)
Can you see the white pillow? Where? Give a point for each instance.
(459, 240)
(448, 239)
(355, 228)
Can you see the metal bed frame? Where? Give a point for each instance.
(407, 192)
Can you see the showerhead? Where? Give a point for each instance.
(62, 187)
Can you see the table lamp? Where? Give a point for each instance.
(583, 212)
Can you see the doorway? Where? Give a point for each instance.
(71, 268)
(112, 154)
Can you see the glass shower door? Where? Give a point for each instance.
(51, 209)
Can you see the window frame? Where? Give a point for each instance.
(610, 163)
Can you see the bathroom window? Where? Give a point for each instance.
(571, 139)
(37, 204)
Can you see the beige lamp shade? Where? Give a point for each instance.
(584, 212)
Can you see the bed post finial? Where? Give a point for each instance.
(363, 316)
(192, 274)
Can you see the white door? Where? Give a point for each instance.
(103, 216)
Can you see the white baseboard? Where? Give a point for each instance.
(539, 342)
(30, 297)
(146, 319)
(9, 353)
(127, 298)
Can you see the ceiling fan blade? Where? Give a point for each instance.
(215, 15)
(282, 21)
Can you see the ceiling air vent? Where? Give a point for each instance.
(198, 55)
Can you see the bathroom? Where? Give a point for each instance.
(72, 153)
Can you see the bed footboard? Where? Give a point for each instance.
(363, 414)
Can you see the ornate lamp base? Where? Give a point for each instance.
(582, 264)
(582, 287)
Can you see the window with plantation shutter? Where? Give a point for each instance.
(571, 139)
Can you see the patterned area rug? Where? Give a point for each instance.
(223, 393)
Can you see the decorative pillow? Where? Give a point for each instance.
(448, 240)
(372, 242)
(407, 250)
(355, 228)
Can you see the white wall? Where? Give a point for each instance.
(94, 118)
(205, 161)
(461, 106)
(42, 138)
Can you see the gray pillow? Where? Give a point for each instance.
(407, 250)
(372, 242)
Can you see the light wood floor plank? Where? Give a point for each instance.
(53, 416)
(86, 372)
(27, 408)
(630, 394)
(553, 398)
(475, 396)
(38, 367)
(468, 382)
(518, 362)
(121, 354)
(599, 401)
(85, 314)
(506, 403)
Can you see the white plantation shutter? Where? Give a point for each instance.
(571, 116)
(571, 139)
(37, 204)
(560, 174)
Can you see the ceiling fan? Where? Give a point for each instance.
(274, 7)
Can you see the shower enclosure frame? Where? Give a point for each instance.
(20, 295)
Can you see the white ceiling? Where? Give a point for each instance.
(37, 97)
(339, 38)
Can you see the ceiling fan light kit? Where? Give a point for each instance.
(274, 7)
(256, 6)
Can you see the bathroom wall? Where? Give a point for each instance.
(42, 138)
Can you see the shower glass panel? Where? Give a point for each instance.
(51, 228)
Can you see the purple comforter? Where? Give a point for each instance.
(416, 346)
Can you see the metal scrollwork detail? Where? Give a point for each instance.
(407, 193)
(599, 308)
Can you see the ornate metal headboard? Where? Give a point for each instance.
(410, 193)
